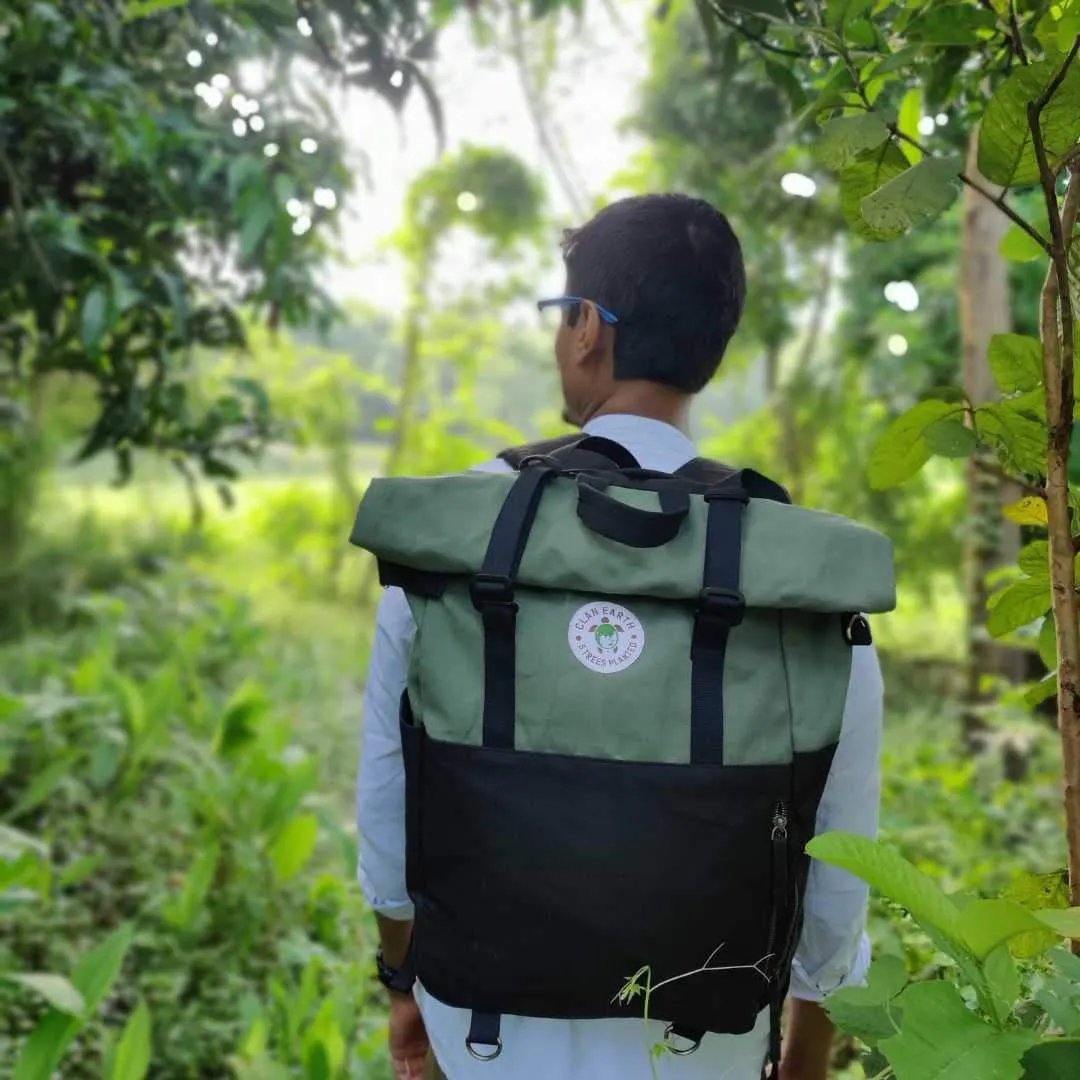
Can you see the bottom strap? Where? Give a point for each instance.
(484, 1032)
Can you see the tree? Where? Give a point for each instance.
(868, 57)
(493, 195)
(153, 196)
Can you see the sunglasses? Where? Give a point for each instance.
(569, 301)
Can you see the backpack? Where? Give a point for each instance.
(624, 696)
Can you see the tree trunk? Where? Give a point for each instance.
(991, 541)
(1057, 330)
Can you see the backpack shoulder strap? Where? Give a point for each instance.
(712, 473)
(515, 455)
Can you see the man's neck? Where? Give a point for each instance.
(648, 400)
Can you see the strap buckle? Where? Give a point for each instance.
(724, 606)
(487, 590)
(693, 1038)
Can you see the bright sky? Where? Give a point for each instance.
(485, 105)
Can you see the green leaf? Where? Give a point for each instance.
(183, 910)
(1053, 1059)
(986, 924)
(908, 123)
(1017, 246)
(1018, 605)
(1002, 980)
(1022, 438)
(902, 451)
(1067, 964)
(96, 972)
(140, 9)
(839, 11)
(55, 989)
(845, 137)
(1034, 559)
(239, 723)
(942, 1038)
(950, 438)
(871, 171)
(893, 876)
(918, 194)
(93, 978)
(1064, 922)
(1037, 891)
(255, 225)
(1006, 153)
(132, 1058)
(95, 316)
(294, 846)
(952, 24)
(1041, 691)
(1048, 643)
(866, 1011)
(1016, 361)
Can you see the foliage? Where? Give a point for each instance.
(923, 1028)
(874, 62)
(164, 799)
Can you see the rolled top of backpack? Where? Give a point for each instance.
(600, 537)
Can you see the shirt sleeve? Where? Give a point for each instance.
(834, 950)
(380, 787)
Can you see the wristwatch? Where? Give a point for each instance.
(387, 974)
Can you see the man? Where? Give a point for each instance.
(655, 289)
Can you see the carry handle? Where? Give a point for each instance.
(631, 525)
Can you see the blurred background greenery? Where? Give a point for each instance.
(260, 251)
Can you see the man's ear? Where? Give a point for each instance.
(588, 332)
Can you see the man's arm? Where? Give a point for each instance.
(380, 816)
(834, 950)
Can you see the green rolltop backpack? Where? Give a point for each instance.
(624, 696)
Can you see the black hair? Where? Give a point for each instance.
(670, 267)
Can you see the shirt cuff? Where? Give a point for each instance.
(389, 907)
(826, 979)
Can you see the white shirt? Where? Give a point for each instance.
(833, 951)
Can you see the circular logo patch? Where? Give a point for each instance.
(606, 638)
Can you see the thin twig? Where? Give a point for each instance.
(1055, 83)
(1018, 41)
(757, 39)
(20, 218)
(1000, 474)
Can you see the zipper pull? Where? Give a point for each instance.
(780, 822)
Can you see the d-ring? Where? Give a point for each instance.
(686, 1050)
(486, 1057)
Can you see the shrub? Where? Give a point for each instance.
(157, 795)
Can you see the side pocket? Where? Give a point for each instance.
(413, 738)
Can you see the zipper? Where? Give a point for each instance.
(779, 841)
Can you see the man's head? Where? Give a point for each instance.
(669, 269)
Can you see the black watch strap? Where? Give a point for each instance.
(398, 979)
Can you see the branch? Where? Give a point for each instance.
(999, 473)
(997, 200)
(1055, 82)
(757, 39)
(1014, 26)
(20, 217)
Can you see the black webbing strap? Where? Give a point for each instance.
(720, 609)
(492, 592)
(484, 1031)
